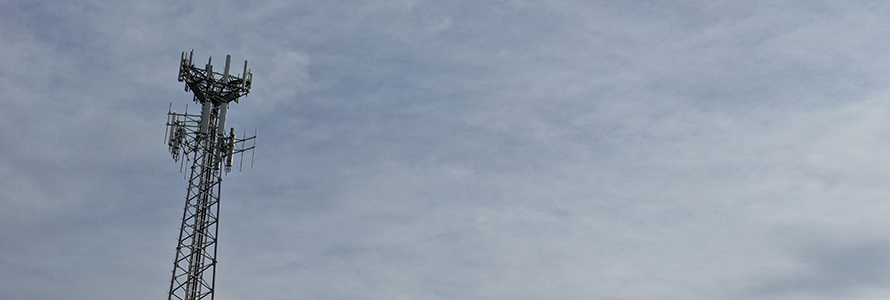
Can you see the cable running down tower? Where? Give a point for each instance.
(202, 143)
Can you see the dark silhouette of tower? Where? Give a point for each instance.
(201, 142)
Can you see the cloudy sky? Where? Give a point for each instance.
(413, 149)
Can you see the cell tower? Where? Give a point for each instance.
(201, 142)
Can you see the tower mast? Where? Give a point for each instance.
(202, 143)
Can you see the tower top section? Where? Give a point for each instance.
(210, 86)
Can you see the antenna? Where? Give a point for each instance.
(201, 142)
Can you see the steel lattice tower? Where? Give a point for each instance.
(203, 144)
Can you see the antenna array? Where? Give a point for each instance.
(201, 142)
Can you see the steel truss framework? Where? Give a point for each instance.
(201, 142)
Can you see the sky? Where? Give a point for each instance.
(424, 150)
